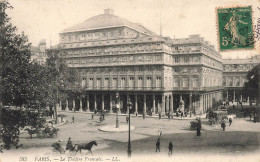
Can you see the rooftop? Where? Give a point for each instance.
(106, 20)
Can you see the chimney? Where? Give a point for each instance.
(108, 11)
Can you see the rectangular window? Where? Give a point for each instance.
(83, 83)
(158, 82)
(186, 59)
(140, 82)
(176, 59)
(195, 82)
(106, 82)
(149, 82)
(123, 82)
(90, 82)
(176, 82)
(185, 82)
(131, 82)
(98, 82)
(114, 83)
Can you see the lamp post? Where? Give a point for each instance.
(129, 105)
(117, 107)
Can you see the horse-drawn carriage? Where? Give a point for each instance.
(217, 116)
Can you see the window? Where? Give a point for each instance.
(106, 82)
(195, 82)
(123, 82)
(114, 83)
(140, 82)
(185, 82)
(98, 82)
(176, 59)
(185, 59)
(90, 82)
(149, 82)
(176, 70)
(176, 82)
(83, 83)
(131, 82)
(158, 82)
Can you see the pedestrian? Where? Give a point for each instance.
(143, 115)
(158, 145)
(160, 116)
(100, 119)
(103, 116)
(181, 114)
(223, 125)
(170, 148)
(250, 115)
(126, 118)
(73, 119)
(198, 127)
(69, 145)
(136, 114)
(230, 121)
(92, 116)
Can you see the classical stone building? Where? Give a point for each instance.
(39, 53)
(113, 55)
(234, 76)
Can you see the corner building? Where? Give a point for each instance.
(114, 55)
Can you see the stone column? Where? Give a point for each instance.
(136, 105)
(73, 105)
(167, 104)
(248, 99)
(171, 105)
(80, 104)
(201, 104)
(102, 101)
(153, 103)
(67, 105)
(190, 103)
(234, 98)
(127, 99)
(110, 103)
(95, 101)
(119, 100)
(241, 98)
(144, 110)
(87, 108)
(227, 94)
(163, 105)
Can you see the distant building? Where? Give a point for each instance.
(157, 73)
(234, 76)
(39, 53)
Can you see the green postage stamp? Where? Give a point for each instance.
(235, 28)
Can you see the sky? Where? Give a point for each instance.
(45, 19)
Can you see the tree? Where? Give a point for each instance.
(14, 61)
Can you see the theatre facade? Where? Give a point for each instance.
(158, 74)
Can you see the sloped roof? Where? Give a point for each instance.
(106, 21)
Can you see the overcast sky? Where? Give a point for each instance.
(44, 19)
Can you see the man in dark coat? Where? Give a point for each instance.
(170, 148)
(230, 121)
(223, 125)
(158, 145)
(69, 145)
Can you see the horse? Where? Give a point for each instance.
(85, 146)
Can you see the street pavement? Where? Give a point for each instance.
(240, 139)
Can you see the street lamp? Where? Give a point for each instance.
(117, 107)
(129, 105)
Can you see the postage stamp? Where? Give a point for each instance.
(235, 28)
